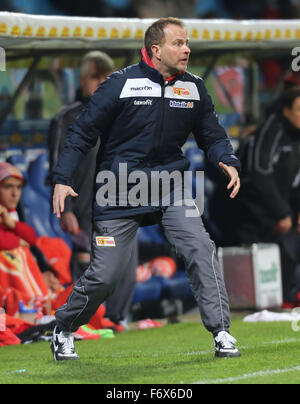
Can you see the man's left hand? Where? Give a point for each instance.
(233, 175)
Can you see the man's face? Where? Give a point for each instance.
(10, 192)
(174, 52)
(91, 81)
(293, 113)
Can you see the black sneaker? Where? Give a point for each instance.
(225, 346)
(62, 346)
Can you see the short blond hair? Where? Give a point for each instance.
(155, 34)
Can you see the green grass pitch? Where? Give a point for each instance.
(174, 354)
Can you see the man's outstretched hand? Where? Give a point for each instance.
(59, 196)
(233, 175)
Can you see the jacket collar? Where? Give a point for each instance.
(147, 62)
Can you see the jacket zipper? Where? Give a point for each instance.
(158, 144)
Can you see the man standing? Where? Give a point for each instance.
(143, 115)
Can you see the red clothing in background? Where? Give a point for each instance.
(10, 239)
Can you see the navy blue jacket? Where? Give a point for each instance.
(143, 121)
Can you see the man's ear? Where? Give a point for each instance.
(156, 51)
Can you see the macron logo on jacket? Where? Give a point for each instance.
(140, 87)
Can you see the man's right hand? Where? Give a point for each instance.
(284, 225)
(59, 196)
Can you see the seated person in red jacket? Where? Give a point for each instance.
(13, 232)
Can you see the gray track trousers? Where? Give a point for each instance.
(108, 264)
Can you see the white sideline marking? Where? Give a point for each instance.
(250, 375)
(282, 341)
(274, 342)
(211, 351)
(259, 373)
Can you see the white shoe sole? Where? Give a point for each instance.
(66, 358)
(235, 354)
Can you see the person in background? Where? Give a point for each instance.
(267, 209)
(290, 81)
(14, 232)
